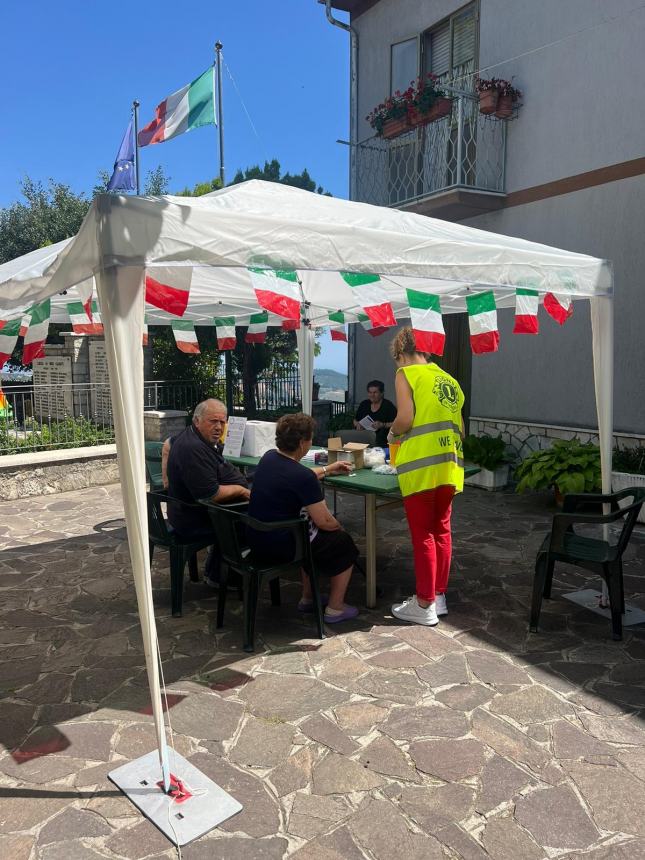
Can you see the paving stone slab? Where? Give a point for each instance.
(359, 717)
(206, 716)
(438, 806)
(570, 742)
(427, 721)
(448, 670)
(450, 760)
(89, 741)
(392, 684)
(73, 824)
(338, 845)
(465, 697)
(619, 731)
(384, 832)
(75, 849)
(343, 671)
(492, 669)
(41, 770)
(613, 794)
(294, 773)
(399, 658)
(503, 839)
(336, 774)
(533, 705)
(290, 697)
(262, 743)
(321, 729)
(628, 850)
(383, 756)
(20, 812)
(507, 740)
(313, 814)
(236, 848)
(456, 839)
(134, 843)
(428, 641)
(555, 818)
(501, 780)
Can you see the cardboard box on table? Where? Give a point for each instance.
(351, 452)
(259, 437)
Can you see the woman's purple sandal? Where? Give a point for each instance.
(347, 614)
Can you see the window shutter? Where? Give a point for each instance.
(463, 45)
(440, 50)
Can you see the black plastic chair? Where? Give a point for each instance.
(230, 528)
(599, 556)
(153, 465)
(182, 551)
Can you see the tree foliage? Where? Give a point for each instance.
(271, 172)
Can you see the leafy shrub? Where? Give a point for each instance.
(68, 433)
(485, 451)
(569, 465)
(341, 421)
(630, 460)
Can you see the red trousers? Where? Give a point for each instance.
(428, 516)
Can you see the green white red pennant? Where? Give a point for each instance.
(225, 331)
(168, 288)
(559, 303)
(426, 322)
(369, 326)
(526, 311)
(185, 336)
(81, 324)
(337, 326)
(482, 319)
(290, 325)
(144, 336)
(8, 337)
(34, 345)
(277, 291)
(257, 330)
(371, 297)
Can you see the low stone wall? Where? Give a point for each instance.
(522, 439)
(47, 472)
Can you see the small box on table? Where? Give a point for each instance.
(351, 452)
(259, 437)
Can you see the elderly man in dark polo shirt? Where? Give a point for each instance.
(196, 469)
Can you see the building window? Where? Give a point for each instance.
(449, 50)
(404, 64)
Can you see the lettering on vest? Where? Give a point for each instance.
(459, 445)
(445, 441)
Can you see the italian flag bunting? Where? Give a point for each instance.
(559, 306)
(526, 311)
(290, 325)
(144, 336)
(427, 325)
(369, 326)
(277, 291)
(37, 332)
(482, 318)
(337, 328)
(257, 330)
(169, 288)
(188, 108)
(79, 318)
(225, 330)
(8, 338)
(185, 336)
(371, 297)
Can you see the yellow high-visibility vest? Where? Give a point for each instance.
(431, 453)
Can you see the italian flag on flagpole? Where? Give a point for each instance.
(188, 108)
(36, 336)
(24, 325)
(185, 336)
(338, 331)
(169, 289)
(482, 319)
(369, 326)
(257, 330)
(80, 322)
(371, 297)
(526, 311)
(225, 330)
(8, 338)
(277, 291)
(427, 325)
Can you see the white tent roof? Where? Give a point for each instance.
(267, 224)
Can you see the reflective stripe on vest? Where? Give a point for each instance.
(431, 453)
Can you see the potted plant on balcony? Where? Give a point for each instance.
(390, 118)
(508, 95)
(488, 94)
(628, 470)
(428, 102)
(490, 455)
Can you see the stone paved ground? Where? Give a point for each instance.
(469, 741)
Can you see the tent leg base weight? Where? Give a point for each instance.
(589, 598)
(180, 820)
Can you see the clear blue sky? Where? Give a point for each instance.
(71, 69)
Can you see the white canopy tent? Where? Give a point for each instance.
(269, 225)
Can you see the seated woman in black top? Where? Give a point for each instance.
(380, 410)
(282, 489)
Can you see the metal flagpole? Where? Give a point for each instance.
(220, 116)
(135, 113)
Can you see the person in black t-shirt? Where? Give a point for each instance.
(381, 411)
(196, 469)
(282, 489)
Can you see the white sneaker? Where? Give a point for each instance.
(410, 610)
(440, 604)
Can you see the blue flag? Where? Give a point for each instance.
(123, 178)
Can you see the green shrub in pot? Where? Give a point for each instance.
(486, 451)
(629, 460)
(569, 466)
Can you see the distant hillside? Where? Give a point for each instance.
(330, 379)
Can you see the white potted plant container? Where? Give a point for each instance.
(490, 455)
(490, 479)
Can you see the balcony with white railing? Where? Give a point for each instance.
(451, 168)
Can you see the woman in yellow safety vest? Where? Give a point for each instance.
(430, 469)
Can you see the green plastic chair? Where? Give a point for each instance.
(230, 528)
(599, 556)
(153, 465)
(182, 551)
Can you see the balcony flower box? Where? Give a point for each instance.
(394, 127)
(497, 96)
(440, 109)
(488, 101)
